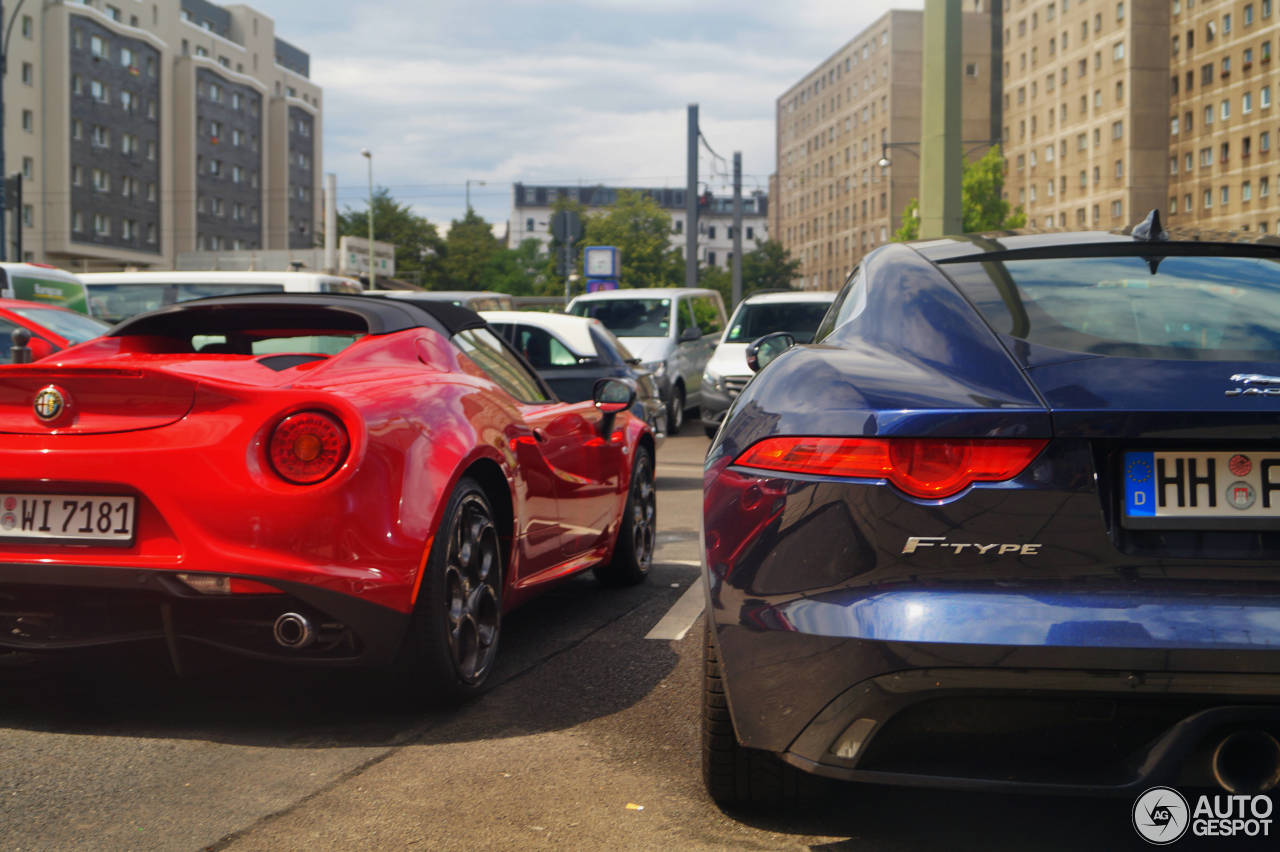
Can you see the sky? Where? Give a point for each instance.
(553, 91)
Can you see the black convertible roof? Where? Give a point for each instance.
(299, 310)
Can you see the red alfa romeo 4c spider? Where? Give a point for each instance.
(322, 479)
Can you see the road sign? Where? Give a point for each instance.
(566, 226)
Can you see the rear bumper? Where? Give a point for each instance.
(47, 608)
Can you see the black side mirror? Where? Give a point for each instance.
(690, 334)
(612, 396)
(764, 349)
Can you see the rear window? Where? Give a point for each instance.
(756, 320)
(1190, 308)
(629, 317)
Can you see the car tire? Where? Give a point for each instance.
(675, 411)
(458, 618)
(735, 776)
(637, 535)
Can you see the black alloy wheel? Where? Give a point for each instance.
(637, 535)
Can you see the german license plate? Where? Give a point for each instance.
(1222, 490)
(67, 517)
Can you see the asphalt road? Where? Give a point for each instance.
(588, 740)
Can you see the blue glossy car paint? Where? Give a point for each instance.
(817, 600)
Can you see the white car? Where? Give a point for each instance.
(727, 373)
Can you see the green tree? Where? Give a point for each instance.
(419, 249)
(469, 251)
(981, 200)
(551, 281)
(642, 232)
(769, 266)
(519, 271)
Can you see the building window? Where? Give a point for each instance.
(1117, 51)
(1264, 140)
(28, 121)
(1173, 126)
(1186, 203)
(100, 137)
(1119, 168)
(1264, 97)
(1246, 191)
(1208, 199)
(1225, 195)
(28, 74)
(1226, 65)
(1225, 153)
(126, 57)
(102, 224)
(28, 27)
(1264, 187)
(1117, 208)
(1117, 129)
(1226, 23)
(1246, 103)
(28, 167)
(101, 180)
(1225, 110)
(127, 100)
(100, 91)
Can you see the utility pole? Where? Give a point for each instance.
(737, 229)
(691, 204)
(4, 62)
(940, 154)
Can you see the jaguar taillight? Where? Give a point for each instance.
(930, 468)
(308, 447)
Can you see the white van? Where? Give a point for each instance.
(116, 296)
(39, 282)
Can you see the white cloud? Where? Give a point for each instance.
(553, 90)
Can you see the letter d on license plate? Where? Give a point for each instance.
(1201, 490)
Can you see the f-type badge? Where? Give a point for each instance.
(50, 403)
(1255, 384)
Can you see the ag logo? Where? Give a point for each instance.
(49, 403)
(1161, 816)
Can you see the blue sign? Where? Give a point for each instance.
(601, 262)
(1140, 485)
(595, 285)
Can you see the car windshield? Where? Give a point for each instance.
(629, 317)
(1191, 308)
(117, 302)
(75, 328)
(800, 319)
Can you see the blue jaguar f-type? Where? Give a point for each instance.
(1011, 521)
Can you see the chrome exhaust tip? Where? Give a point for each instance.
(1247, 762)
(293, 630)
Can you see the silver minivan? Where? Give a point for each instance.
(672, 330)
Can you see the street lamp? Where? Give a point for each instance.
(368, 155)
(469, 182)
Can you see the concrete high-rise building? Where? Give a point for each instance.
(1086, 100)
(832, 201)
(1221, 122)
(146, 129)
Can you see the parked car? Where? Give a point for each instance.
(116, 296)
(796, 311)
(52, 328)
(476, 300)
(383, 505)
(672, 330)
(40, 282)
(573, 353)
(1008, 524)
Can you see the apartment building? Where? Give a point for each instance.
(1222, 124)
(832, 201)
(1085, 122)
(148, 129)
(531, 208)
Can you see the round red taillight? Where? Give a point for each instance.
(308, 447)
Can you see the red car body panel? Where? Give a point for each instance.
(187, 435)
(44, 341)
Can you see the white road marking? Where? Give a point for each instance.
(676, 623)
